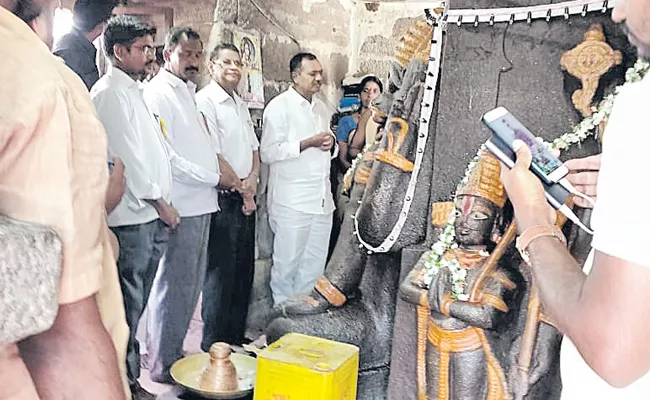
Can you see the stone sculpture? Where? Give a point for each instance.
(471, 312)
(588, 61)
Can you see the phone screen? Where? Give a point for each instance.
(507, 128)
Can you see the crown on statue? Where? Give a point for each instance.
(416, 44)
(484, 180)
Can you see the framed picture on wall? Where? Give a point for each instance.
(251, 87)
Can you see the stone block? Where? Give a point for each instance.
(276, 53)
(534, 90)
(226, 11)
(327, 21)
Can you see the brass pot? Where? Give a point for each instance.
(220, 375)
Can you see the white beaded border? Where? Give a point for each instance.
(510, 15)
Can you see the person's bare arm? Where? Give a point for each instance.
(75, 359)
(604, 313)
(343, 155)
(249, 184)
(116, 186)
(359, 138)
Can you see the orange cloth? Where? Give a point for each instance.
(468, 339)
(53, 168)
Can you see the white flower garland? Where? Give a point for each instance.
(587, 127)
(349, 174)
(435, 261)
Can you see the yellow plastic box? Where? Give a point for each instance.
(301, 367)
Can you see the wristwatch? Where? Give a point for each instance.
(535, 232)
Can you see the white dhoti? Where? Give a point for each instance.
(300, 248)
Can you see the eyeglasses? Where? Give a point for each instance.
(145, 48)
(229, 63)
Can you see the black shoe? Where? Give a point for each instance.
(139, 393)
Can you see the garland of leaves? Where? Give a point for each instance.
(587, 127)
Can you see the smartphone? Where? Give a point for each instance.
(506, 128)
(556, 194)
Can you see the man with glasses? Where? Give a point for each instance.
(142, 220)
(231, 248)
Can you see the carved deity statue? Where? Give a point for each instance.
(469, 313)
(456, 331)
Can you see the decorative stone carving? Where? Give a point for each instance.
(588, 61)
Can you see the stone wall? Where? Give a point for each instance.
(377, 31)
(287, 27)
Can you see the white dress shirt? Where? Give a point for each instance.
(135, 137)
(195, 167)
(230, 124)
(298, 180)
(619, 230)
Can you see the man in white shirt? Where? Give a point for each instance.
(231, 248)
(142, 219)
(297, 144)
(176, 288)
(603, 314)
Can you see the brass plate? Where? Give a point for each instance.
(186, 372)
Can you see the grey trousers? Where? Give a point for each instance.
(141, 247)
(175, 293)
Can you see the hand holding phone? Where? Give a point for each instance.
(506, 128)
(555, 193)
(548, 168)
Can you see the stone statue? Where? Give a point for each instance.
(459, 333)
(472, 315)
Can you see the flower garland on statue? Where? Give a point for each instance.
(436, 260)
(349, 174)
(587, 127)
